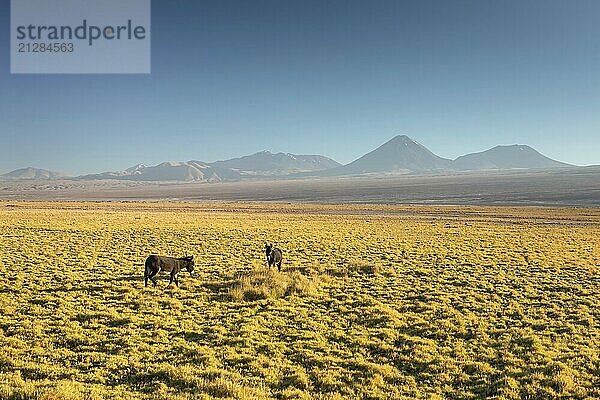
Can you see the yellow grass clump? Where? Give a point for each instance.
(270, 284)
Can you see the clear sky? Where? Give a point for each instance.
(336, 78)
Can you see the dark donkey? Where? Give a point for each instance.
(155, 264)
(274, 256)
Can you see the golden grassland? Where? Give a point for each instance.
(373, 302)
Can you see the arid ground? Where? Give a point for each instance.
(568, 187)
(373, 302)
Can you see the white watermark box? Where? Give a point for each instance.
(80, 37)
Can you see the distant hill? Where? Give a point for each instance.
(31, 173)
(191, 171)
(267, 163)
(399, 155)
(506, 157)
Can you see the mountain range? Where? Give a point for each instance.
(259, 165)
(400, 155)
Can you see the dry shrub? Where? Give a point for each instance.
(365, 269)
(354, 268)
(270, 284)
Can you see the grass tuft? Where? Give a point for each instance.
(265, 283)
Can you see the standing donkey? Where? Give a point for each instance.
(155, 264)
(274, 256)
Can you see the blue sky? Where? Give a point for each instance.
(336, 78)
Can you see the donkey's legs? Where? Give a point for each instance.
(152, 277)
(174, 278)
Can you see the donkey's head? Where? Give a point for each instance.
(189, 264)
(268, 248)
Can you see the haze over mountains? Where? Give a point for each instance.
(267, 163)
(400, 155)
(169, 171)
